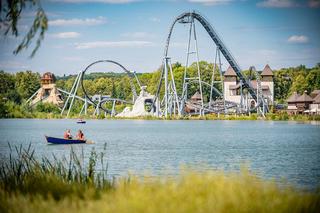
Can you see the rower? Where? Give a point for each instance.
(80, 135)
(67, 134)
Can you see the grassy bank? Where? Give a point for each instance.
(252, 116)
(30, 185)
(50, 111)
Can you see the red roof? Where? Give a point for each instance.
(48, 75)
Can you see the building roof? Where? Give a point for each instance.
(293, 98)
(48, 76)
(267, 71)
(230, 72)
(316, 100)
(304, 98)
(196, 96)
(314, 93)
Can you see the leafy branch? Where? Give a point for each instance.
(10, 14)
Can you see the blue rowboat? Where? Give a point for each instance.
(81, 122)
(53, 140)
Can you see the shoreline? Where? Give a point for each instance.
(252, 117)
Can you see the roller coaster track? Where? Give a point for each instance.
(130, 74)
(185, 18)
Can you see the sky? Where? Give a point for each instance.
(282, 33)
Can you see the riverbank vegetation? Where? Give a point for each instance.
(28, 184)
(16, 88)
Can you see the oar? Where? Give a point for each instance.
(89, 142)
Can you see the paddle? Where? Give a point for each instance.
(89, 142)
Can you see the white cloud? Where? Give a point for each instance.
(12, 65)
(211, 2)
(154, 19)
(75, 21)
(314, 3)
(104, 44)
(72, 59)
(66, 35)
(298, 39)
(137, 35)
(277, 3)
(96, 1)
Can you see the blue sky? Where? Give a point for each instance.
(282, 33)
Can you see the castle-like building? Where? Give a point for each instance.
(48, 93)
(232, 87)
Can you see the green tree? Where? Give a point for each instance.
(6, 82)
(10, 16)
(282, 85)
(299, 85)
(7, 88)
(47, 107)
(27, 83)
(114, 91)
(313, 80)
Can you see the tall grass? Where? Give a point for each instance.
(69, 185)
(24, 173)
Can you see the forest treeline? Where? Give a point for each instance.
(16, 88)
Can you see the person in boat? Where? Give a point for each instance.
(67, 134)
(80, 135)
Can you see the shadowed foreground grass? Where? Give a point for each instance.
(28, 185)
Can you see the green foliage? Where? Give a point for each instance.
(282, 85)
(10, 15)
(65, 185)
(57, 177)
(3, 110)
(7, 82)
(27, 83)
(47, 107)
(19, 87)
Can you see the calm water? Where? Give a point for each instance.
(276, 150)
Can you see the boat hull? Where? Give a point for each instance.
(53, 140)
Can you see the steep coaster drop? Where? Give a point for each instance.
(173, 101)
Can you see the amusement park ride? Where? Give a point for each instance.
(171, 102)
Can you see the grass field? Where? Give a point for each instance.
(30, 185)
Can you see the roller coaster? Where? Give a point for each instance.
(172, 103)
(99, 101)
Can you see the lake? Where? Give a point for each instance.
(273, 150)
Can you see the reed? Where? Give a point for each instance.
(24, 173)
(69, 185)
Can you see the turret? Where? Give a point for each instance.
(267, 83)
(267, 74)
(230, 75)
(231, 86)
